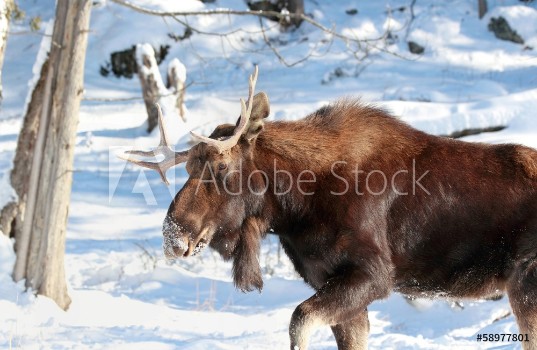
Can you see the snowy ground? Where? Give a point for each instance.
(125, 295)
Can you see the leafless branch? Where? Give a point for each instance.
(276, 52)
(360, 48)
(26, 32)
(229, 12)
(412, 17)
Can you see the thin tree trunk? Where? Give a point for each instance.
(176, 84)
(46, 226)
(482, 8)
(6, 7)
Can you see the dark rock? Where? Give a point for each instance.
(502, 30)
(295, 7)
(351, 12)
(415, 48)
(123, 63)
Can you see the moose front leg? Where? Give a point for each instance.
(341, 303)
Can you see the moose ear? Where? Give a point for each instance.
(222, 130)
(260, 110)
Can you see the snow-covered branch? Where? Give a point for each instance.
(230, 12)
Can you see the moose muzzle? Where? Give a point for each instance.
(175, 243)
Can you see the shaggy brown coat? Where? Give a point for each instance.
(380, 206)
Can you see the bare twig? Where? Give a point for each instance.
(229, 12)
(412, 17)
(26, 32)
(360, 48)
(276, 52)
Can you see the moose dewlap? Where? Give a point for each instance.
(363, 205)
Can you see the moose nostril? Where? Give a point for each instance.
(174, 244)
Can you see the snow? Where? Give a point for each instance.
(125, 293)
(179, 68)
(523, 19)
(7, 257)
(147, 51)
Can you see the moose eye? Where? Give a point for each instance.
(222, 166)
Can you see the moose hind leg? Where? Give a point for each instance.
(522, 291)
(352, 335)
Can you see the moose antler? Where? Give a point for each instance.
(171, 158)
(227, 143)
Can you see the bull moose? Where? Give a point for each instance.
(363, 205)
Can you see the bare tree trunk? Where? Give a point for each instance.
(23, 239)
(40, 254)
(6, 7)
(12, 215)
(152, 86)
(482, 8)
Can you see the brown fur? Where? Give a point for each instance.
(528, 159)
(467, 228)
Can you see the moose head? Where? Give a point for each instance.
(216, 207)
